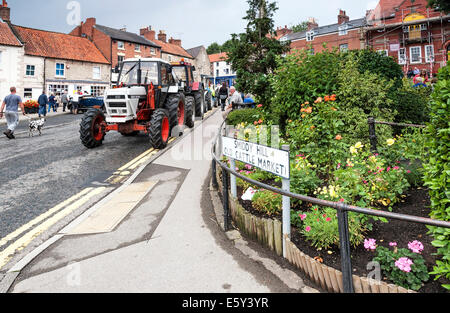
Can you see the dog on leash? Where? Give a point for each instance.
(36, 126)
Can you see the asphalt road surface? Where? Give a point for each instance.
(40, 172)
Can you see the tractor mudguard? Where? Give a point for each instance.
(196, 86)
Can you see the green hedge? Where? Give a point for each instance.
(247, 116)
(437, 169)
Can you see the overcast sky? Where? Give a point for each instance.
(195, 22)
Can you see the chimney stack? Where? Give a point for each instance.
(176, 42)
(148, 33)
(312, 23)
(5, 12)
(162, 36)
(342, 17)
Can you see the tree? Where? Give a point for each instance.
(303, 26)
(214, 48)
(439, 5)
(253, 54)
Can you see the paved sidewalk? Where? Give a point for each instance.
(170, 243)
(23, 118)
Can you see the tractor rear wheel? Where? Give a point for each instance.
(208, 100)
(176, 106)
(91, 130)
(159, 129)
(190, 118)
(199, 105)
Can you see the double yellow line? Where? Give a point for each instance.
(44, 222)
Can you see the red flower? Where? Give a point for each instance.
(260, 105)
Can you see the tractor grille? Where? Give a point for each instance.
(113, 97)
(117, 105)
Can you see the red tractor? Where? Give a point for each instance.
(147, 99)
(194, 92)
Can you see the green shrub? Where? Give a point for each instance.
(410, 278)
(437, 169)
(320, 227)
(412, 104)
(247, 116)
(268, 202)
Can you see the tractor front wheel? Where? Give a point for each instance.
(91, 128)
(159, 129)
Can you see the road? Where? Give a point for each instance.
(40, 172)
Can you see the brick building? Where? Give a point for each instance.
(117, 44)
(411, 33)
(346, 34)
(60, 62)
(171, 49)
(201, 62)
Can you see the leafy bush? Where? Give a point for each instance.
(403, 267)
(247, 116)
(302, 77)
(437, 169)
(412, 104)
(320, 226)
(268, 202)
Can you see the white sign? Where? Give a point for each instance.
(268, 159)
(395, 47)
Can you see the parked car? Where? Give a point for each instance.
(85, 102)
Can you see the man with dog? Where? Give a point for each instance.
(10, 107)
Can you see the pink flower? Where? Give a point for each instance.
(302, 217)
(370, 244)
(408, 171)
(248, 166)
(342, 200)
(329, 219)
(393, 244)
(396, 168)
(308, 229)
(415, 246)
(404, 264)
(365, 182)
(339, 166)
(388, 169)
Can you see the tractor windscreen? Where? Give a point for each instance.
(180, 72)
(129, 73)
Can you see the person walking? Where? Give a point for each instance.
(43, 101)
(65, 100)
(10, 107)
(52, 103)
(223, 95)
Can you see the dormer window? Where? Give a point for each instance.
(310, 36)
(343, 30)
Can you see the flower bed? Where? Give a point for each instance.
(31, 106)
(255, 224)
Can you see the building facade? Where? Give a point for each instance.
(221, 69)
(345, 35)
(57, 62)
(414, 35)
(117, 44)
(201, 62)
(11, 60)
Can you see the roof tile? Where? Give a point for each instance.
(7, 37)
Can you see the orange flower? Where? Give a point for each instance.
(303, 115)
(327, 98)
(319, 100)
(313, 127)
(302, 110)
(338, 137)
(309, 110)
(260, 121)
(334, 109)
(307, 102)
(255, 123)
(333, 98)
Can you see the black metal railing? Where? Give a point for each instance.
(342, 211)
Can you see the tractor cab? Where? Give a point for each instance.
(138, 78)
(185, 73)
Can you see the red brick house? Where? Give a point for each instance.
(411, 33)
(117, 44)
(171, 49)
(345, 35)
